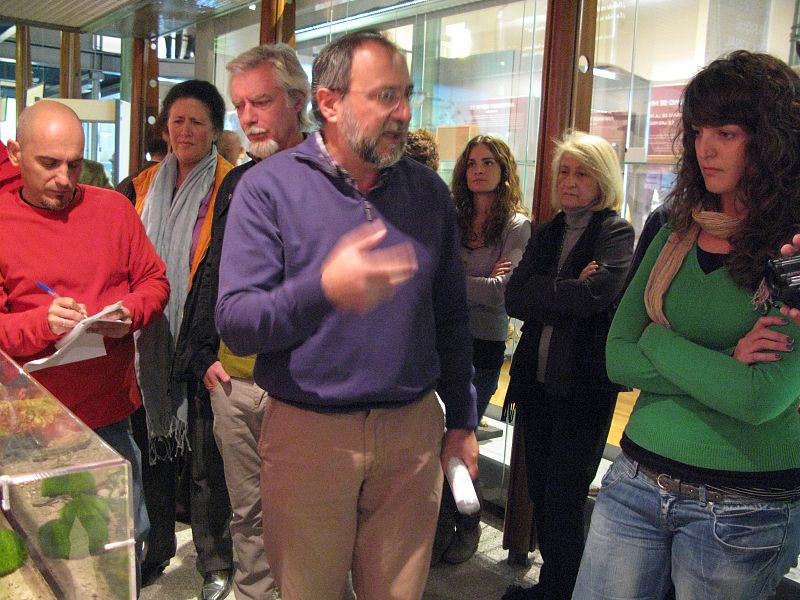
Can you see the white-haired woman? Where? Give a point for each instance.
(565, 289)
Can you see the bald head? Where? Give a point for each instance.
(51, 115)
(49, 153)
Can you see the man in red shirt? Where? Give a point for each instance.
(89, 246)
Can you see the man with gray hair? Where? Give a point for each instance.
(356, 307)
(270, 91)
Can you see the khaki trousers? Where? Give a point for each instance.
(353, 491)
(238, 408)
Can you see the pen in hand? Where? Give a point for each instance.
(55, 294)
(48, 289)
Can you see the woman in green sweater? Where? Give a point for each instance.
(706, 493)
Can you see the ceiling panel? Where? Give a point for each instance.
(139, 18)
(67, 13)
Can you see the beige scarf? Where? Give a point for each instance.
(718, 224)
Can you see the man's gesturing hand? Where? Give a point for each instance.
(357, 278)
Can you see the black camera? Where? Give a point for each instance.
(783, 280)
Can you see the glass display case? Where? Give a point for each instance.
(66, 527)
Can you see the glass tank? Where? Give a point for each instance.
(66, 527)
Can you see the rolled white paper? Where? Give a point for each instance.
(461, 485)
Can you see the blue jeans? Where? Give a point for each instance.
(641, 537)
(120, 437)
(485, 382)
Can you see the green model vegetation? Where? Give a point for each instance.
(70, 484)
(82, 526)
(12, 551)
(86, 534)
(83, 504)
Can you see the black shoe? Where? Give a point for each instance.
(517, 592)
(444, 537)
(217, 584)
(151, 571)
(464, 545)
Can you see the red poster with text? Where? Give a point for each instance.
(664, 113)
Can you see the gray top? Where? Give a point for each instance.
(485, 295)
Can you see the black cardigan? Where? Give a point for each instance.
(580, 312)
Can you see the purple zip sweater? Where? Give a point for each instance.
(286, 215)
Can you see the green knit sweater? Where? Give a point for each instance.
(698, 405)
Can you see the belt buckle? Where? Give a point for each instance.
(664, 486)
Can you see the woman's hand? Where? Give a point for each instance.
(501, 267)
(589, 270)
(762, 344)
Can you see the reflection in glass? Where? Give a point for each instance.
(645, 52)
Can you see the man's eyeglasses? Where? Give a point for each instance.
(390, 98)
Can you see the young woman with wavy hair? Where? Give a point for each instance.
(705, 495)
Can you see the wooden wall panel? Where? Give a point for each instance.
(70, 71)
(566, 93)
(144, 97)
(277, 22)
(23, 72)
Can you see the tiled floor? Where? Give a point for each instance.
(484, 577)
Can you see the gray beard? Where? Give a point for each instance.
(366, 148)
(262, 150)
(367, 151)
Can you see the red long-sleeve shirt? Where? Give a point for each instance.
(96, 252)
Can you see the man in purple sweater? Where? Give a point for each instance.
(340, 269)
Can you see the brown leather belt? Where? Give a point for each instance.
(676, 487)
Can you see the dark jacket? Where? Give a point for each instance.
(580, 312)
(198, 342)
(125, 187)
(655, 221)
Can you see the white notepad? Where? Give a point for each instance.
(77, 345)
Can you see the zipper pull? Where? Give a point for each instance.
(368, 210)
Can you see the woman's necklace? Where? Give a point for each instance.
(476, 237)
(478, 222)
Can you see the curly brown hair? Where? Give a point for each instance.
(760, 94)
(509, 192)
(422, 147)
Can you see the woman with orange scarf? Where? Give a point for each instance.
(175, 199)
